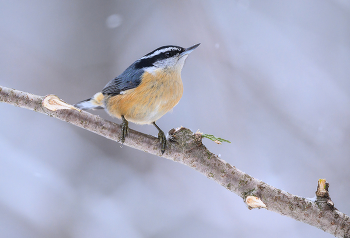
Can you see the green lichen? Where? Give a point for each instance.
(243, 182)
(208, 155)
(248, 193)
(291, 207)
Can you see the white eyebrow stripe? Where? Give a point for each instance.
(159, 51)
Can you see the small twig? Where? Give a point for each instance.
(322, 194)
(217, 140)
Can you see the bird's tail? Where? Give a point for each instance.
(96, 102)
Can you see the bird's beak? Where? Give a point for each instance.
(189, 50)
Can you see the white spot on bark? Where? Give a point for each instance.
(53, 103)
(254, 202)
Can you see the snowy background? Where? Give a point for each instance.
(271, 76)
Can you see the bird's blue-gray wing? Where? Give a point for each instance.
(129, 79)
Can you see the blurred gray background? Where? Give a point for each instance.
(271, 76)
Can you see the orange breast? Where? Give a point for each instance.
(157, 94)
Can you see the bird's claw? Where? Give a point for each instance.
(125, 129)
(162, 140)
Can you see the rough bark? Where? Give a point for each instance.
(186, 147)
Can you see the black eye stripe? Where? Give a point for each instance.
(153, 57)
(171, 53)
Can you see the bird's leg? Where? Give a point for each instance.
(161, 137)
(125, 129)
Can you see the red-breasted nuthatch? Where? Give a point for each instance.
(145, 91)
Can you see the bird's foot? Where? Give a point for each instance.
(162, 140)
(161, 137)
(125, 129)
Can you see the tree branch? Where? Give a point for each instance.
(186, 147)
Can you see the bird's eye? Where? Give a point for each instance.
(167, 54)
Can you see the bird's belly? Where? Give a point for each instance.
(148, 102)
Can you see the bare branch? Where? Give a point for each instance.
(186, 147)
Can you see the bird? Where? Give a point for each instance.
(145, 91)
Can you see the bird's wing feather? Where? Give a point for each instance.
(129, 79)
